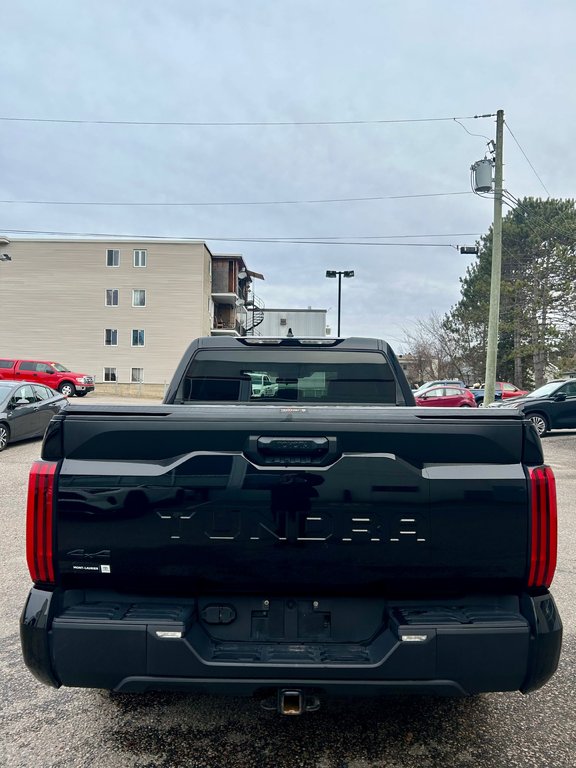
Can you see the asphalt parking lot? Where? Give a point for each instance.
(73, 727)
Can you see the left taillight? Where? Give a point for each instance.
(39, 522)
(544, 527)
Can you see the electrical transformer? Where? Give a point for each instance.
(482, 180)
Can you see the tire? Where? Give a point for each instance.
(480, 401)
(67, 389)
(81, 394)
(540, 422)
(465, 405)
(4, 436)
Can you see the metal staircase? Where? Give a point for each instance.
(254, 314)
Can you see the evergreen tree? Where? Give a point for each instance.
(538, 296)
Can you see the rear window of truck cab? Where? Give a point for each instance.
(303, 375)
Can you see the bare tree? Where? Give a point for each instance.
(436, 350)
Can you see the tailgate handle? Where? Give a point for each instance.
(293, 446)
(292, 450)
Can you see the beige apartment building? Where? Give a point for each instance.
(121, 310)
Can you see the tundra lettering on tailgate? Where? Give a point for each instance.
(241, 525)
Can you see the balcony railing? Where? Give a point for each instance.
(229, 327)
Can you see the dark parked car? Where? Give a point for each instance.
(26, 409)
(552, 406)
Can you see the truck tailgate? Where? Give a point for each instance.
(242, 498)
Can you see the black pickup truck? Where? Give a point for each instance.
(323, 535)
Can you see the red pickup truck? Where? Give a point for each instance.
(47, 372)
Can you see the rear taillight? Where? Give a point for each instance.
(544, 527)
(39, 528)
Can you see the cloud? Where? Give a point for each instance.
(328, 60)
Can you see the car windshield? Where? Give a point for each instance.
(60, 368)
(545, 390)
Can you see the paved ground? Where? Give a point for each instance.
(65, 728)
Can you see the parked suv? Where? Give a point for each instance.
(47, 372)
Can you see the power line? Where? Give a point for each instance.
(266, 241)
(185, 123)
(479, 135)
(536, 216)
(361, 237)
(309, 239)
(527, 159)
(115, 203)
(328, 242)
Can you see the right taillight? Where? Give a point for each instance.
(39, 522)
(544, 527)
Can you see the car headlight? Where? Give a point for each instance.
(81, 380)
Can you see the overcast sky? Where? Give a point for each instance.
(231, 61)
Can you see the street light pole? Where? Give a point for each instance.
(337, 273)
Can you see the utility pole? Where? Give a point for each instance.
(339, 300)
(496, 277)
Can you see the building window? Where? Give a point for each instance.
(139, 258)
(110, 374)
(111, 337)
(111, 297)
(139, 298)
(112, 258)
(137, 375)
(138, 337)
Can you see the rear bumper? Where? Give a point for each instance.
(137, 644)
